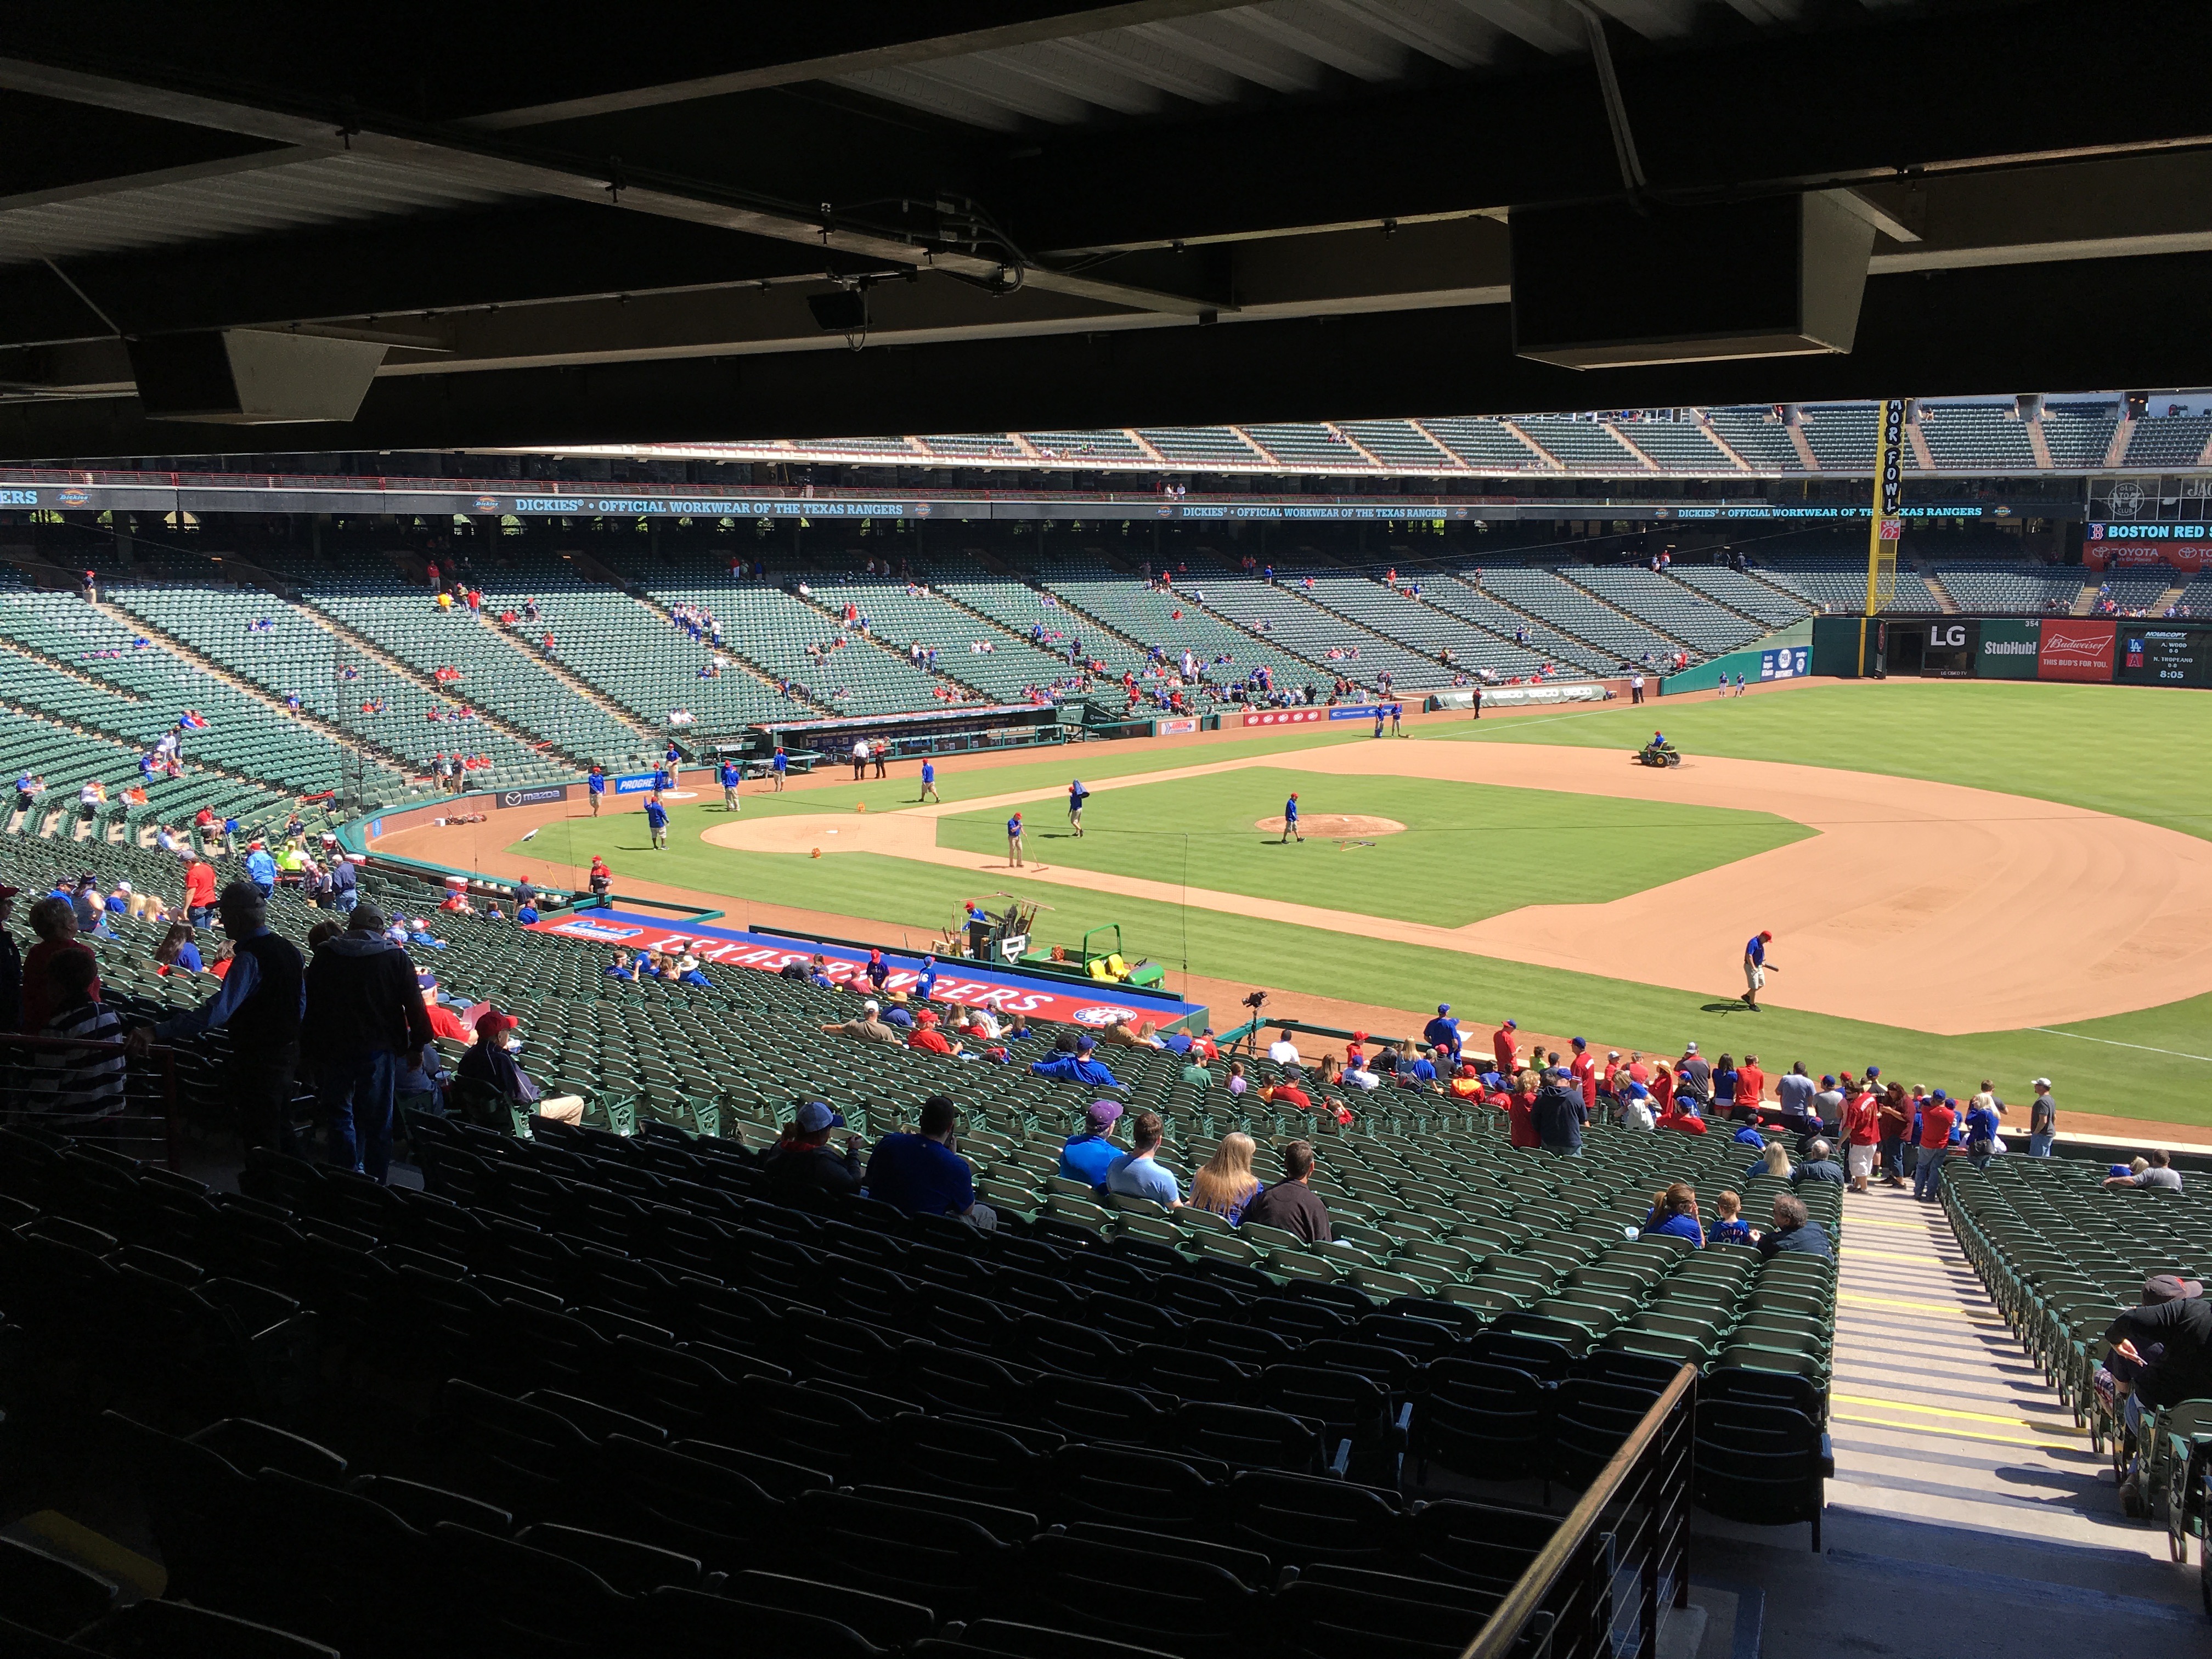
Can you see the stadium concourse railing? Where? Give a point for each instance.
(1600, 1587)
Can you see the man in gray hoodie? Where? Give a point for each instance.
(364, 1012)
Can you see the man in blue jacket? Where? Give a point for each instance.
(731, 776)
(656, 816)
(1077, 1067)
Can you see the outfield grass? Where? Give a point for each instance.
(2137, 753)
(1469, 850)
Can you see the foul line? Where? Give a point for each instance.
(2110, 1043)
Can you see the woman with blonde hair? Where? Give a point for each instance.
(1225, 1183)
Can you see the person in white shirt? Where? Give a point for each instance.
(1282, 1050)
(1359, 1077)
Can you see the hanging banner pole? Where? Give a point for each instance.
(1888, 526)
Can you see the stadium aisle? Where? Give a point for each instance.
(1967, 1514)
(1937, 1414)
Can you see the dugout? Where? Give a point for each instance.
(911, 737)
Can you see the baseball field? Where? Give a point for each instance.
(1963, 879)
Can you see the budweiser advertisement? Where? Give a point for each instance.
(2074, 649)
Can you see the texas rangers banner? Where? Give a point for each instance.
(1002, 990)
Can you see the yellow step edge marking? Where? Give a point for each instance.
(1894, 1226)
(1940, 1411)
(1857, 1300)
(1893, 1255)
(1949, 1434)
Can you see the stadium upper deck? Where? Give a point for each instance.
(2004, 437)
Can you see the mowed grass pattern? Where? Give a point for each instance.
(1467, 851)
(2144, 753)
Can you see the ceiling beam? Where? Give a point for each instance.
(1884, 101)
(487, 161)
(517, 254)
(1931, 334)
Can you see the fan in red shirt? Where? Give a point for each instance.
(926, 1035)
(1521, 1110)
(1935, 1120)
(1861, 1131)
(1502, 1045)
(1750, 1088)
(1583, 1069)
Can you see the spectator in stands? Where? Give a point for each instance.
(1893, 1120)
(1090, 1152)
(1282, 1050)
(2161, 1355)
(1694, 1077)
(1793, 1091)
(364, 1012)
(491, 1067)
(803, 1162)
(1289, 1092)
(1292, 1204)
(2042, 1120)
(261, 870)
(263, 997)
(923, 1175)
(76, 1090)
(1728, 1227)
(926, 1037)
(1984, 1118)
(1817, 1166)
(1936, 1119)
(1225, 1183)
(178, 952)
(1674, 1215)
(866, 1027)
(1558, 1115)
(1077, 1067)
(54, 921)
(1795, 1232)
(2160, 1173)
(1138, 1173)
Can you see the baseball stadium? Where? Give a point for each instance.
(1081, 832)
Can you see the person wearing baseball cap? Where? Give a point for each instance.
(868, 1026)
(1442, 1033)
(1754, 967)
(803, 1162)
(2042, 1120)
(1090, 1149)
(2161, 1355)
(491, 1068)
(1506, 1047)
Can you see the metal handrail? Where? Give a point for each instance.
(163, 1053)
(1498, 1635)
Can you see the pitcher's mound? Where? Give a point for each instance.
(1334, 826)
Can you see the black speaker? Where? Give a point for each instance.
(1611, 285)
(841, 311)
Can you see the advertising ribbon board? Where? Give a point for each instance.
(1003, 990)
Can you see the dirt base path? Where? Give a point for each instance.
(1919, 904)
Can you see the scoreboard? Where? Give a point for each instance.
(2163, 656)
